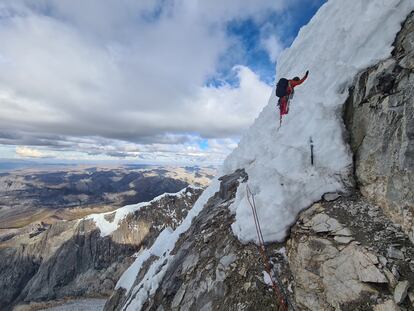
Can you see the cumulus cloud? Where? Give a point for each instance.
(123, 72)
(230, 109)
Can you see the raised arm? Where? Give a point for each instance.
(294, 83)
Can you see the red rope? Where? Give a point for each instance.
(262, 250)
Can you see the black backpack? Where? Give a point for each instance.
(281, 87)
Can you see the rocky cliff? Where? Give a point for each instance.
(75, 258)
(379, 116)
(350, 251)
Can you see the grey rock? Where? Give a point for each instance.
(389, 305)
(343, 239)
(227, 260)
(242, 271)
(207, 307)
(247, 286)
(400, 292)
(208, 237)
(395, 272)
(178, 298)
(331, 196)
(160, 308)
(411, 297)
(390, 277)
(189, 262)
(367, 270)
(383, 260)
(117, 298)
(323, 223)
(343, 232)
(327, 274)
(229, 182)
(379, 116)
(395, 253)
(412, 265)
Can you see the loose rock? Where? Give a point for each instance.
(400, 292)
(389, 305)
(331, 196)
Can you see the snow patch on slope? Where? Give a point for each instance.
(108, 226)
(343, 38)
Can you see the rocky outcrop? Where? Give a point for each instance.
(380, 119)
(347, 255)
(73, 258)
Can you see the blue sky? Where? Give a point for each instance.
(150, 81)
(248, 32)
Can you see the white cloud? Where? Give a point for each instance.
(273, 47)
(26, 152)
(104, 149)
(127, 71)
(230, 110)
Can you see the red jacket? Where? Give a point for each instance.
(292, 84)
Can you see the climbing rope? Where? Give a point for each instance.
(276, 284)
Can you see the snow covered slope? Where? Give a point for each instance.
(107, 225)
(341, 39)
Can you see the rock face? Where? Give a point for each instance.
(73, 259)
(380, 118)
(338, 253)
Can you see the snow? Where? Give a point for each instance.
(266, 278)
(161, 248)
(282, 251)
(343, 38)
(107, 227)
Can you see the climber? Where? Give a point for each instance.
(285, 90)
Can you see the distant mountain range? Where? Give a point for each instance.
(55, 193)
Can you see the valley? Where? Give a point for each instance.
(33, 199)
